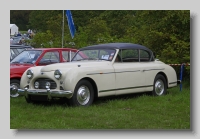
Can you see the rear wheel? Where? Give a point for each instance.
(16, 85)
(160, 85)
(83, 94)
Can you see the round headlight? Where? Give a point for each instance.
(36, 85)
(29, 74)
(57, 74)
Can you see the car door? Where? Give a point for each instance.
(149, 67)
(129, 74)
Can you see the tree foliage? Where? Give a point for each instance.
(166, 32)
(20, 18)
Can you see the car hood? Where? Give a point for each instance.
(14, 68)
(69, 65)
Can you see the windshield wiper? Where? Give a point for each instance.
(29, 62)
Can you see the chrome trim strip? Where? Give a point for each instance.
(125, 88)
(112, 72)
(127, 71)
(153, 69)
(45, 92)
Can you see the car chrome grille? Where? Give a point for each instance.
(42, 83)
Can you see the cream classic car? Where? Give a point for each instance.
(98, 71)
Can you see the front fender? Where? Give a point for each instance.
(15, 76)
(25, 80)
(71, 78)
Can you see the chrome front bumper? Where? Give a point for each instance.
(43, 92)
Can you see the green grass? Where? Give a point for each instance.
(136, 111)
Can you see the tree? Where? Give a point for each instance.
(39, 19)
(20, 18)
(94, 33)
(165, 32)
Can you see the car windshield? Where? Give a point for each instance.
(15, 41)
(15, 51)
(95, 54)
(27, 56)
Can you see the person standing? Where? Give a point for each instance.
(29, 31)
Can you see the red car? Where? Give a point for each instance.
(36, 57)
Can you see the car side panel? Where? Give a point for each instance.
(154, 68)
(129, 77)
(104, 78)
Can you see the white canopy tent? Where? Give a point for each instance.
(13, 29)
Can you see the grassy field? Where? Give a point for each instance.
(137, 111)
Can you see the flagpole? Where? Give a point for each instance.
(63, 29)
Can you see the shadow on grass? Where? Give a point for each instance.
(98, 101)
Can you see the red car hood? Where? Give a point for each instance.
(18, 69)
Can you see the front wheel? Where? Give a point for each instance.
(160, 85)
(83, 94)
(16, 85)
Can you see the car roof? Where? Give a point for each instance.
(53, 49)
(116, 46)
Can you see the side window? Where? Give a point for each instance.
(129, 55)
(65, 55)
(50, 57)
(144, 56)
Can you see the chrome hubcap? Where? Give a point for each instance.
(83, 95)
(159, 87)
(15, 87)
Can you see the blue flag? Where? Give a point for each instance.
(70, 23)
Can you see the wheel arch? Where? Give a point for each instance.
(93, 85)
(165, 76)
(16, 78)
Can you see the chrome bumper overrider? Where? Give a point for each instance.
(178, 81)
(43, 92)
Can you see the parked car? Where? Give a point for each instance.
(17, 49)
(36, 57)
(19, 40)
(98, 71)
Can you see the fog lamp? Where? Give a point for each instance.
(48, 84)
(37, 85)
